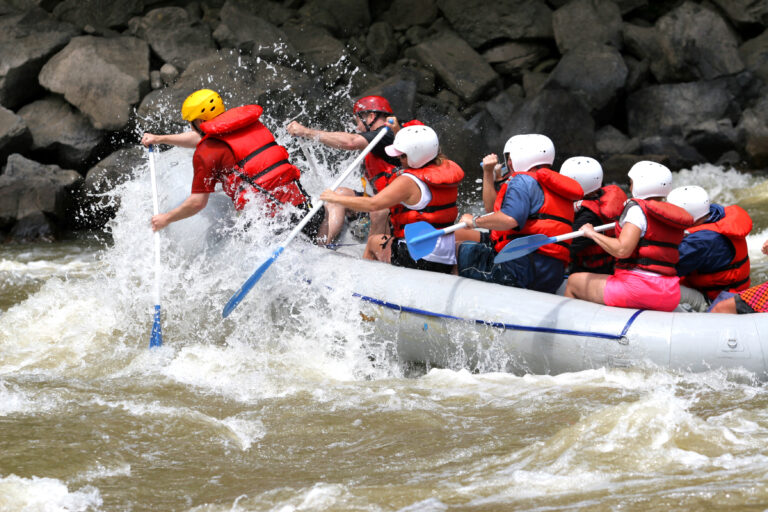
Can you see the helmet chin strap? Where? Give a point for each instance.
(362, 115)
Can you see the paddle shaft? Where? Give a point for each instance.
(156, 209)
(579, 233)
(441, 232)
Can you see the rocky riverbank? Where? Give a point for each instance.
(681, 82)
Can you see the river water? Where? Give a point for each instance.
(291, 404)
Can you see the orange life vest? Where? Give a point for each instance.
(608, 206)
(443, 182)
(657, 251)
(262, 164)
(555, 217)
(735, 225)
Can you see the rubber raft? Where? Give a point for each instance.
(440, 319)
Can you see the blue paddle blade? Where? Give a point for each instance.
(243, 291)
(521, 246)
(156, 339)
(421, 239)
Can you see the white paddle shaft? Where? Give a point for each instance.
(156, 208)
(577, 234)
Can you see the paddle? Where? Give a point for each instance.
(521, 246)
(421, 237)
(248, 284)
(156, 338)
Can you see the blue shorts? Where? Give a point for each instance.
(533, 271)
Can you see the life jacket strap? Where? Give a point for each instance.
(732, 266)
(546, 216)
(263, 148)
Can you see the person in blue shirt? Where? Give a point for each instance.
(534, 200)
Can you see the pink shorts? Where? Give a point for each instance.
(629, 289)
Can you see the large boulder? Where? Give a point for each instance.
(673, 109)
(110, 172)
(461, 68)
(98, 15)
(403, 14)
(174, 35)
(594, 71)
(57, 128)
(401, 94)
(102, 77)
(241, 27)
(512, 58)
(754, 124)
(26, 41)
(560, 115)
(14, 135)
(480, 22)
(603, 18)
(754, 53)
(343, 18)
(35, 191)
(315, 45)
(745, 12)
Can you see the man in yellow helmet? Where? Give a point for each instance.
(238, 151)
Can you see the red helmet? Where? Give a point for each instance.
(372, 104)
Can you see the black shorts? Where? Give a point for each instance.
(313, 226)
(402, 258)
(742, 308)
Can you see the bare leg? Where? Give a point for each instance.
(379, 224)
(334, 217)
(586, 286)
(379, 248)
(725, 306)
(464, 235)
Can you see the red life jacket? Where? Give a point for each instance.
(608, 206)
(555, 217)
(657, 251)
(262, 164)
(734, 277)
(443, 182)
(378, 171)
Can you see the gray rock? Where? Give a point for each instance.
(14, 135)
(464, 71)
(627, 6)
(582, 21)
(154, 79)
(610, 141)
(17, 6)
(511, 59)
(58, 128)
(672, 109)
(343, 18)
(639, 73)
(596, 72)
(745, 12)
(713, 138)
(273, 12)
(642, 42)
(401, 94)
(533, 82)
(28, 188)
(35, 227)
(480, 22)
(381, 44)
(754, 53)
(174, 35)
(679, 154)
(168, 73)
(411, 71)
(754, 124)
(484, 128)
(316, 45)
(696, 44)
(560, 115)
(502, 107)
(102, 77)
(241, 28)
(27, 40)
(616, 167)
(103, 177)
(403, 14)
(99, 14)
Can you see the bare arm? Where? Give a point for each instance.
(191, 205)
(621, 247)
(497, 221)
(489, 190)
(185, 140)
(338, 140)
(402, 190)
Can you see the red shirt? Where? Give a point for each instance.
(212, 161)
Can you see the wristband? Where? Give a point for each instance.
(474, 221)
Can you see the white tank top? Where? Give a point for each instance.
(445, 249)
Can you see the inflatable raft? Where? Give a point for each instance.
(433, 318)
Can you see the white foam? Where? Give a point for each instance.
(45, 495)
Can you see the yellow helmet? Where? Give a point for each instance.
(204, 104)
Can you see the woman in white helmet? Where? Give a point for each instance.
(424, 189)
(713, 255)
(601, 204)
(646, 246)
(534, 200)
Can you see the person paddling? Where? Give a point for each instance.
(713, 255)
(601, 205)
(751, 300)
(370, 114)
(646, 244)
(425, 188)
(238, 151)
(534, 200)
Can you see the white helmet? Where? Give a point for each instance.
(587, 171)
(528, 151)
(419, 143)
(693, 199)
(650, 179)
